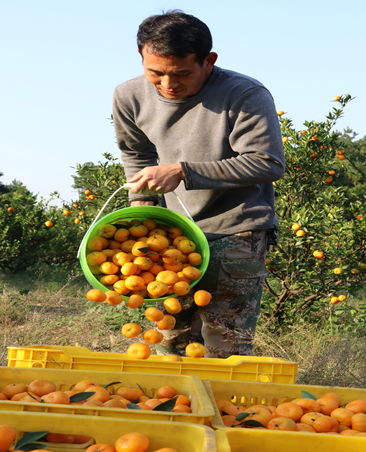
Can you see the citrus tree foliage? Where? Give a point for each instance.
(101, 180)
(26, 240)
(315, 214)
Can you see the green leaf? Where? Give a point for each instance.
(224, 413)
(30, 395)
(143, 391)
(307, 395)
(81, 396)
(34, 446)
(111, 384)
(144, 250)
(252, 423)
(29, 438)
(241, 416)
(133, 406)
(166, 406)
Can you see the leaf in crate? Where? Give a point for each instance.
(30, 395)
(111, 384)
(143, 391)
(33, 446)
(252, 423)
(81, 396)
(166, 406)
(242, 416)
(29, 438)
(133, 406)
(307, 395)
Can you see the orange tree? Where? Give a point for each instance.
(34, 232)
(321, 251)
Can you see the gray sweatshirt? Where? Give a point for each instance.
(227, 137)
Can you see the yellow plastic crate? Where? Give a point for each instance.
(190, 386)
(248, 393)
(250, 440)
(247, 368)
(183, 437)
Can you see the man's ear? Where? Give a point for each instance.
(210, 60)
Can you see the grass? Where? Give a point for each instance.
(38, 308)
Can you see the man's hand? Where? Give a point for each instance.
(157, 179)
(141, 203)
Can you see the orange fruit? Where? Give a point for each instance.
(359, 422)
(157, 243)
(147, 277)
(186, 246)
(121, 235)
(181, 409)
(181, 288)
(171, 256)
(60, 438)
(107, 231)
(83, 385)
(138, 351)
(127, 245)
(109, 268)
(156, 268)
(296, 226)
(81, 439)
(167, 277)
(140, 246)
(195, 259)
(121, 258)
(95, 244)
(152, 337)
(202, 297)
(7, 436)
(304, 428)
(158, 231)
(13, 389)
(256, 414)
(308, 405)
(176, 267)
(120, 287)
(127, 393)
(152, 403)
(131, 330)
(113, 298)
(41, 387)
(183, 400)
(96, 258)
(166, 392)
(96, 295)
(172, 305)
(179, 239)
(47, 223)
(327, 405)
(56, 397)
(138, 230)
(343, 416)
(289, 410)
(357, 406)
(157, 289)
(195, 350)
(134, 282)
(77, 221)
(154, 314)
(325, 424)
(282, 423)
(109, 280)
(166, 323)
(300, 233)
(349, 432)
(191, 272)
(128, 269)
(134, 301)
(172, 358)
(100, 394)
(310, 417)
(149, 224)
(328, 180)
(174, 232)
(94, 403)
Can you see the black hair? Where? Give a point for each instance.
(175, 33)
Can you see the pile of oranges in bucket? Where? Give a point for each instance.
(145, 260)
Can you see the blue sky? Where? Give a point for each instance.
(62, 60)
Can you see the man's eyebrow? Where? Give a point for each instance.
(175, 72)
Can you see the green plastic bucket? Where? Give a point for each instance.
(161, 215)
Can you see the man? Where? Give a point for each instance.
(217, 137)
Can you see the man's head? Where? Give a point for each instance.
(176, 52)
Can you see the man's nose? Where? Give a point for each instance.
(168, 82)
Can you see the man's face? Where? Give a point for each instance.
(175, 77)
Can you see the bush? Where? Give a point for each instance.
(316, 216)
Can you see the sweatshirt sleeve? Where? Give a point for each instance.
(255, 137)
(137, 151)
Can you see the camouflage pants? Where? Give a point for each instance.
(235, 278)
